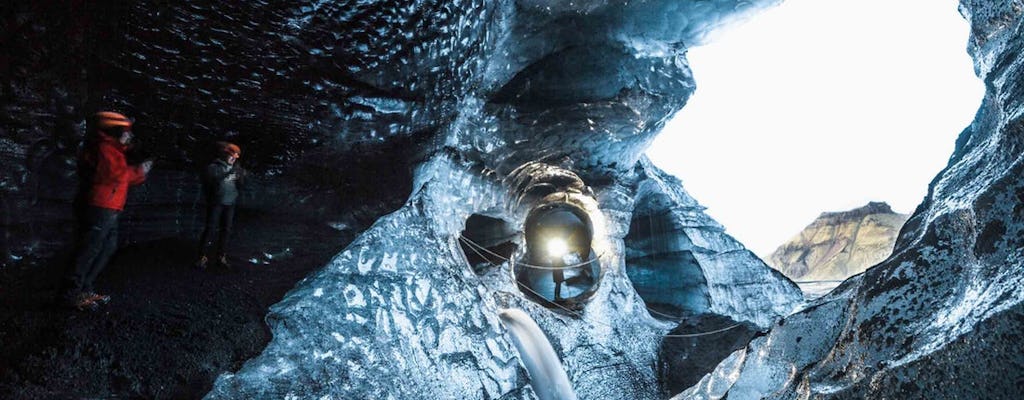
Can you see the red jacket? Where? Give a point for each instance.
(113, 175)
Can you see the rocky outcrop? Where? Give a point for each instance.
(946, 310)
(838, 245)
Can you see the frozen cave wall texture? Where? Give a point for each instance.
(943, 316)
(333, 102)
(353, 107)
(401, 312)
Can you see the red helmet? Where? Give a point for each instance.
(109, 119)
(231, 149)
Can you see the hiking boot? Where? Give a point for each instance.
(201, 264)
(99, 299)
(223, 262)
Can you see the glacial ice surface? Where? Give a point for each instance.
(487, 87)
(400, 314)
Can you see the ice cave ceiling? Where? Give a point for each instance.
(420, 109)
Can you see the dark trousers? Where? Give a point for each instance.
(97, 242)
(219, 219)
(558, 276)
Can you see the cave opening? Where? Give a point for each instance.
(487, 242)
(559, 267)
(786, 125)
(661, 265)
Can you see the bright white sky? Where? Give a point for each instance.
(821, 105)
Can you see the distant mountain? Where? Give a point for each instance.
(838, 245)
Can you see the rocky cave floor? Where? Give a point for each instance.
(169, 330)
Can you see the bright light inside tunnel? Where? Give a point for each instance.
(817, 106)
(556, 247)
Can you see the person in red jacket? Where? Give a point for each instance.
(107, 176)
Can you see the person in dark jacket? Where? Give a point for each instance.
(106, 177)
(221, 181)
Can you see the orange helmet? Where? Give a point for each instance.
(228, 148)
(109, 119)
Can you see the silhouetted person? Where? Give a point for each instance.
(558, 276)
(221, 181)
(105, 176)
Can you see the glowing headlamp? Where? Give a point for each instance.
(556, 247)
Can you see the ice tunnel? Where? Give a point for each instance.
(559, 265)
(549, 250)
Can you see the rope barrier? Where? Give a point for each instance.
(473, 245)
(675, 318)
(699, 334)
(540, 267)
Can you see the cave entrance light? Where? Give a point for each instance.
(816, 106)
(559, 267)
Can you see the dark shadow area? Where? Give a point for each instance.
(683, 361)
(169, 330)
(489, 242)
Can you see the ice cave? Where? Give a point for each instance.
(449, 199)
